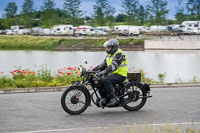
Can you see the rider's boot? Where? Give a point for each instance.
(113, 101)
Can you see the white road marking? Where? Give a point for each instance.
(93, 128)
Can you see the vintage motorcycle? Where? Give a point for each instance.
(76, 98)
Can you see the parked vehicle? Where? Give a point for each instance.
(84, 32)
(17, 27)
(63, 30)
(23, 32)
(132, 30)
(48, 32)
(100, 32)
(10, 32)
(190, 27)
(104, 28)
(157, 28)
(127, 30)
(37, 31)
(76, 98)
(175, 28)
(119, 28)
(2, 31)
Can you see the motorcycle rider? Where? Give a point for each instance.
(115, 66)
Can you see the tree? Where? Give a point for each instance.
(27, 7)
(121, 18)
(72, 8)
(11, 10)
(157, 10)
(27, 18)
(180, 16)
(103, 12)
(10, 13)
(49, 16)
(142, 15)
(130, 9)
(193, 7)
(48, 5)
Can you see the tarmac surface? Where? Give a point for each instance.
(42, 113)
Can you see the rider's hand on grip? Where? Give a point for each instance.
(99, 74)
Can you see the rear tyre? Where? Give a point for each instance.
(75, 100)
(136, 97)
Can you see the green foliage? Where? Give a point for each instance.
(42, 78)
(72, 8)
(130, 8)
(48, 5)
(133, 13)
(43, 43)
(27, 7)
(49, 18)
(157, 10)
(11, 10)
(193, 8)
(142, 15)
(161, 77)
(103, 13)
(120, 18)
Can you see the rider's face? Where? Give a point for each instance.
(108, 48)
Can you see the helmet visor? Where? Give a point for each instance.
(107, 44)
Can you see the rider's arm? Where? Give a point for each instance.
(101, 67)
(115, 63)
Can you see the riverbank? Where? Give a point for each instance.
(62, 88)
(59, 43)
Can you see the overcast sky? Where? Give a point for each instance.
(87, 5)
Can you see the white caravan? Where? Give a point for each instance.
(157, 28)
(10, 32)
(100, 32)
(85, 30)
(63, 30)
(127, 30)
(17, 29)
(104, 28)
(37, 31)
(119, 28)
(48, 32)
(24, 31)
(191, 27)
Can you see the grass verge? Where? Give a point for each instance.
(49, 43)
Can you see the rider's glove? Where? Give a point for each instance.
(95, 68)
(99, 74)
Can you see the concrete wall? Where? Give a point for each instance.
(172, 45)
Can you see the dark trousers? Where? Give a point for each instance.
(109, 81)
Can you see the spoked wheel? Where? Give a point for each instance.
(75, 100)
(136, 98)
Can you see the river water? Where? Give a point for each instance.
(178, 65)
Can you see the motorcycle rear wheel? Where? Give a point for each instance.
(138, 98)
(75, 100)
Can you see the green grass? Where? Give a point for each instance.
(49, 43)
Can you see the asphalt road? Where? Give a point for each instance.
(42, 112)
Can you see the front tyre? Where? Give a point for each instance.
(75, 100)
(136, 98)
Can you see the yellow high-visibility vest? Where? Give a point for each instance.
(122, 69)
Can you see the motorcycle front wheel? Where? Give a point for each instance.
(75, 100)
(136, 97)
